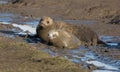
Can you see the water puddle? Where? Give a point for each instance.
(81, 55)
(3, 1)
(112, 41)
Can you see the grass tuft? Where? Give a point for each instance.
(20, 57)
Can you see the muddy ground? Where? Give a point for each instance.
(77, 9)
(18, 56)
(105, 12)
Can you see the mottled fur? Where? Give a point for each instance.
(63, 39)
(83, 33)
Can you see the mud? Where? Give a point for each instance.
(16, 55)
(102, 16)
(85, 57)
(83, 9)
(105, 12)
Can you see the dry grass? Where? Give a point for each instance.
(20, 57)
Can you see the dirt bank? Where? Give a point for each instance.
(104, 11)
(18, 56)
(15, 52)
(77, 9)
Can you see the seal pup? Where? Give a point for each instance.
(87, 36)
(63, 39)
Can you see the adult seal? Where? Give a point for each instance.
(86, 35)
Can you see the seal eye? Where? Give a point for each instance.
(48, 22)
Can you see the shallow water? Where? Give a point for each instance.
(111, 41)
(79, 55)
(3, 1)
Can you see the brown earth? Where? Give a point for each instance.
(104, 11)
(77, 9)
(107, 12)
(18, 56)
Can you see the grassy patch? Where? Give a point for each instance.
(20, 57)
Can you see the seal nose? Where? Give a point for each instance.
(41, 24)
(48, 35)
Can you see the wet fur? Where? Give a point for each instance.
(83, 33)
(63, 39)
